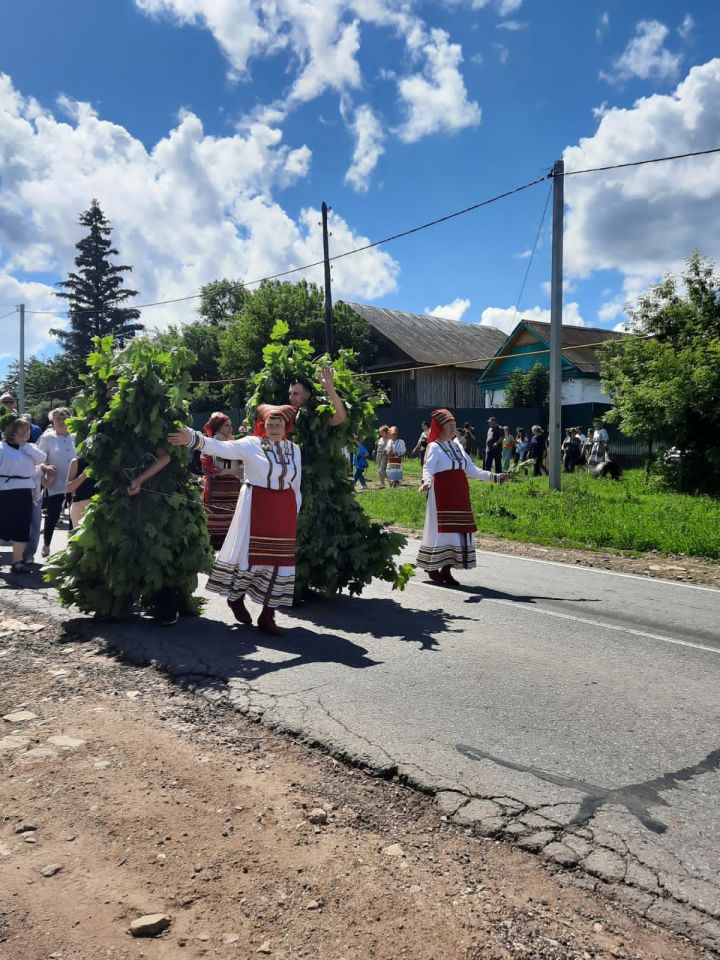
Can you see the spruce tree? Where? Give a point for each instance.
(95, 291)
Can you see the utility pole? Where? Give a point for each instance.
(329, 335)
(556, 308)
(21, 371)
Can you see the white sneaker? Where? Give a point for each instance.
(45, 552)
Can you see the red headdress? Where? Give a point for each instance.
(438, 420)
(214, 423)
(265, 410)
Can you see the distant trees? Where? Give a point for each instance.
(528, 388)
(95, 291)
(665, 381)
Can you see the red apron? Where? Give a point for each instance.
(273, 527)
(452, 501)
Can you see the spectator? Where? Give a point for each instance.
(599, 449)
(493, 446)
(521, 446)
(471, 439)
(35, 431)
(381, 453)
(421, 446)
(9, 401)
(537, 451)
(395, 452)
(462, 439)
(59, 447)
(582, 440)
(508, 449)
(360, 463)
(571, 450)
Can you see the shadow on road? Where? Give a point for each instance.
(381, 617)
(478, 594)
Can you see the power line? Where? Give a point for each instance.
(6, 315)
(640, 163)
(532, 256)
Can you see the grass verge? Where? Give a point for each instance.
(631, 515)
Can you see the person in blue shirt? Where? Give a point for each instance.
(360, 463)
(35, 430)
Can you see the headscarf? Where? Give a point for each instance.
(438, 420)
(266, 410)
(214, 423)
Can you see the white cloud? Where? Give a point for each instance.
(369, 140)
(686, 27)
(646, 220)
(507, 318)
(450, 311)
(504, 7)
(436, 99)
(645, 56)
(513, 25)
(190, 209)
(603, 24)
(524, 255)
(502, 52)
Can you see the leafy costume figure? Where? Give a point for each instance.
(338, 546)
(148, 549)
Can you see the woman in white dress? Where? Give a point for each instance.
(257, 558)
(448, 537)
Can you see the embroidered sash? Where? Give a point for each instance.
(452, 500)
(273, 527)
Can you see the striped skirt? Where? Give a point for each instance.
(220, 495)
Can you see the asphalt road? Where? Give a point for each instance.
(550, 703)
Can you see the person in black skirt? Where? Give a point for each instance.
(19, 462)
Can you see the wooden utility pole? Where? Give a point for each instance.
(21, 370)
(329, 334)
(556, 309)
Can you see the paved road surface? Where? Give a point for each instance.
(573, 709)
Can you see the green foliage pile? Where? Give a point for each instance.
(338, 546)
(665, 381)
(128, 549)
(528, 388)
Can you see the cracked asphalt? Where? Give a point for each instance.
(568, 709)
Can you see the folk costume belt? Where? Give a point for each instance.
(273, 527)
(452, 501)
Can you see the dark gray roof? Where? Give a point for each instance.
(584, 339)
(427, 339)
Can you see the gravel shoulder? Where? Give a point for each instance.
(125, 795)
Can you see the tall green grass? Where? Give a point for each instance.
(630, 515)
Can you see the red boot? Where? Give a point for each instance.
(239, 610)
(448, 578)
(266, 622)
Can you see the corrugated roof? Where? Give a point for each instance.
(585, 358)
(427, 339)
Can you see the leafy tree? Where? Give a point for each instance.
(528, 388)
(133, 550)
(94, 292)
(664, 382)
(338, 546)
(221, 301)
(301, 307)
(200, 339)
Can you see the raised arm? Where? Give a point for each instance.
(327, 379)
(227, 449)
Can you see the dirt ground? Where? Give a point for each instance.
(155, 800)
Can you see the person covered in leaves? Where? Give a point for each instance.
(338, 546)
(257, 559)
(143, 539)
(448, 536)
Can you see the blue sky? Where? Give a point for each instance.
(212, 130)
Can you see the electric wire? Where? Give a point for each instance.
(6, 315)
(638, 163)
(532, 257)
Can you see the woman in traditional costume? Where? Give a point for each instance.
(223, 481)
(257, 558)
(448, 537)
(396, 449)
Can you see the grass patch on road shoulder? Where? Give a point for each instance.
(598, 514)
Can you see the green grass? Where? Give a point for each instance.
(598, 514)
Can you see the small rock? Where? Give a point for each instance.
(13, 742)
(318, 816)
(598, 927)
(38, 753)
(229, 938)
(394, 850)
(132, 694)
(66, 743)
(415, 888)
(559, 853)
(51, 870)
(25, 827)
(204, 937)
(314, 905)
(150, 925)
(29, 838)
(101, 764)
(20, 716)
(264, 948)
